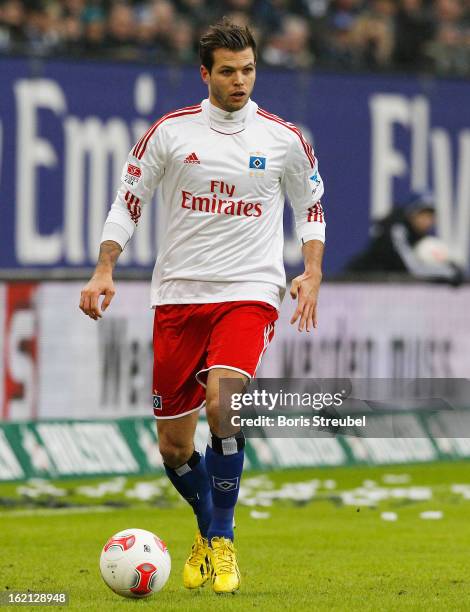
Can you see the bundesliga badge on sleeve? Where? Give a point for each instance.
(132, 175)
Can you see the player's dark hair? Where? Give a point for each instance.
(224, 35)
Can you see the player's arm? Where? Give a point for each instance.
(141, 174)
(307, 286)
(101, 283)
(304, 187)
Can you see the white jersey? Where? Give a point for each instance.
(223, 179)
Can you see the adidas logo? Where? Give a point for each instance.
(192, 159)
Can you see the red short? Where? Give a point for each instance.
(191, 339)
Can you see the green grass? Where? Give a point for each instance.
(321, 555)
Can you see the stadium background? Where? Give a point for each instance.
(381, 88)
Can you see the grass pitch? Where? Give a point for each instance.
(325, 554)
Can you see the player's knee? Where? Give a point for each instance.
(219, 410)
(174, 454)
(214, 415)
(219, 417)
(212, 406)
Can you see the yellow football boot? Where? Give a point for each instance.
(196, 570)
(224, 571)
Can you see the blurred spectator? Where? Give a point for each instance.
(450, 49)
(71, 33)
(12, 31)
(147, 42)
(290, 47)
(316, 9)
(182, 42)
(240, 18)
(42, 31)
(338, 44)
(238, 6)
(74, 7)
(397, 243)
(94, 30)
(198, 12)
(163, 15)
(121, 32)
(350, 8)
(413, 29)
(270, 13)
(373, 34)
(337, 34)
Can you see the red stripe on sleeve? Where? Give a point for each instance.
(290, 126)
(139, 149)
(133, 206)
(315, 213)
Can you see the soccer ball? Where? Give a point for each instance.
(135, 563)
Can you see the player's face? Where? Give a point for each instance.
(231, 79)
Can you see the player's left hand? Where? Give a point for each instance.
(306, 287)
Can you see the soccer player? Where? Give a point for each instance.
(224, 166)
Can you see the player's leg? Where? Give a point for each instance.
(179, 350)
(186, 469)
(224, 461)
(240, 335)
(224, 455)
(185, 466)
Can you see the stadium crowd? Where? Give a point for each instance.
(429, 35)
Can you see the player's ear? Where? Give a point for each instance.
(205, 74)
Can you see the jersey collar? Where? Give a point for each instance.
(225, 122)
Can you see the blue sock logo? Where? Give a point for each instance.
(225, 484)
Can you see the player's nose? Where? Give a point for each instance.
(239, 80)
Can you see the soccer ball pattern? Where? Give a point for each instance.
(135, 563)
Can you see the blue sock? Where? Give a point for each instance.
(224, 462)
(192, 482)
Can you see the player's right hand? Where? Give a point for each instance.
(98, 285)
